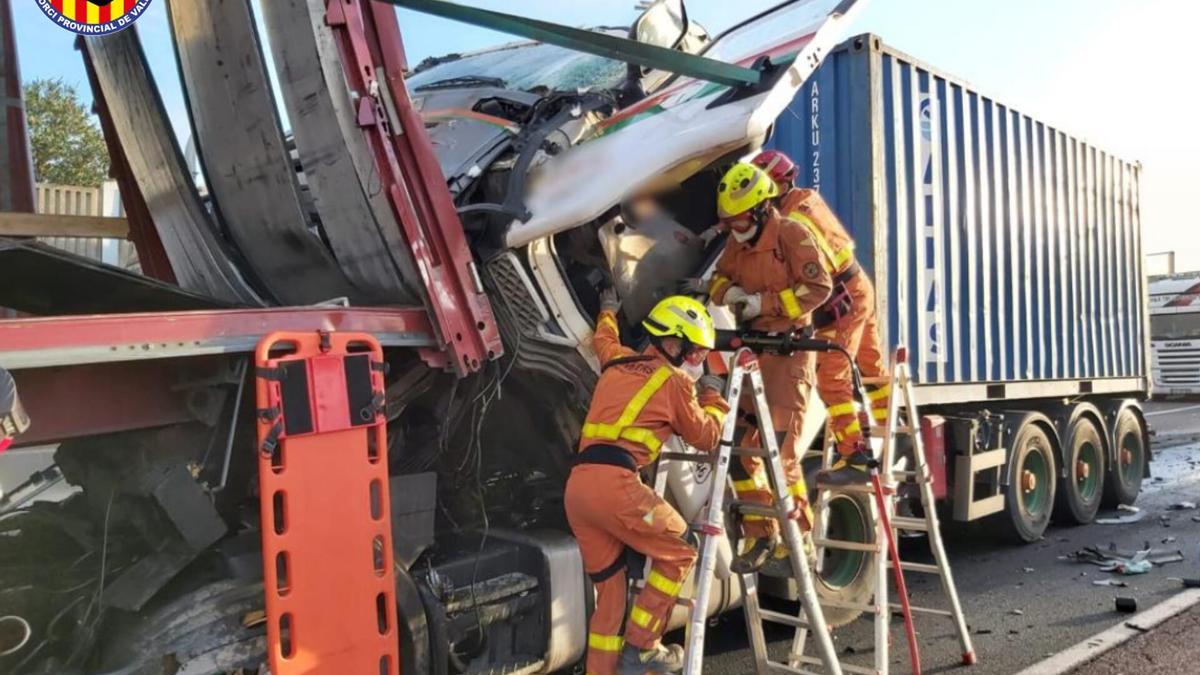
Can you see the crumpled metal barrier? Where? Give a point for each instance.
(246, 163)
(198, 256)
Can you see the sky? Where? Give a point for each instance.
(1118, 73)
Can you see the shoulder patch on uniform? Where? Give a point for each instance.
(812, 270)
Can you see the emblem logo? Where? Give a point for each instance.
(93, 17)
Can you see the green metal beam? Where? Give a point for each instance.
(608, 46)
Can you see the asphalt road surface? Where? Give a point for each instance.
(1023, 603)
(1172, 419)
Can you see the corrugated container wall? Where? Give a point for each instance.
(1003, 248)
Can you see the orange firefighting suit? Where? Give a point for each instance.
(783, 264)
(856, 331)
(640, 401)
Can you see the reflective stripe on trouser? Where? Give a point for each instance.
(604, 628)
(787, 383)
(608, 509)
(857, 333)
(652, 607)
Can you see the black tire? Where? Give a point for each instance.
(1082, 488)
(845, 576)
(1032, 480)
(1124, 479)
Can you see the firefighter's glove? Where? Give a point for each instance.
(714, 383)
(609, 300)
(692, 286)
(733, 295)
(749, 307)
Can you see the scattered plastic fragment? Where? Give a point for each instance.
(1182, 506)
(1125, 605)
(1122, 520)
(1027, 570)
(1128, 507)
(1110, 582)
(1017, 612)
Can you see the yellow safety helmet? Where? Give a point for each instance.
(742, 188)
(682, 317)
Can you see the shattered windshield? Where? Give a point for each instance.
(523, 66)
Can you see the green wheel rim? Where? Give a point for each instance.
(1131, 471)
(1089, 486)
(847, 522)
(1037, 499)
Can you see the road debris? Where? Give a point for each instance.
(1110, 582)
(1017, 612)
(1125, 605)
(1182, 506)
(1113, 559)
(1122, 520)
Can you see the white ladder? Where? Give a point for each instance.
(743, 367)
(902, 421)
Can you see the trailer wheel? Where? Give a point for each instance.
(1124, 480)
(1080, 494)
(1029, 496)
(846, 576)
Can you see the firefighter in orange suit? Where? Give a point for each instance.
(641, 400)
(771, 274)
(855, 330)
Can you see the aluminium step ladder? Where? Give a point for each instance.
(743, 368)
(902, 421)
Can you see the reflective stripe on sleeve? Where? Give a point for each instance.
(787, 299)
(717, 413)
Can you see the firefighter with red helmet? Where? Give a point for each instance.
(852, 323)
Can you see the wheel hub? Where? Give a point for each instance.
(1082, 470)
(1126, 456)
(1028, 481)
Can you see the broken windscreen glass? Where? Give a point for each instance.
(524, 66)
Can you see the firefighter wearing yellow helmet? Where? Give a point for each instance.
(771, 275)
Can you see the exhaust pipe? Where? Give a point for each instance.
(14, 634)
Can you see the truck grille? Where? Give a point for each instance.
(1177, 365)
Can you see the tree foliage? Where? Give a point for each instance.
(67, 147)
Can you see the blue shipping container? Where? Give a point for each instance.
(1007, 253)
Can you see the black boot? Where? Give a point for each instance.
(849, 470)
(662, 659)
(754, 557)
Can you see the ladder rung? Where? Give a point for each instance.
(776, 667)
(923, 610)
(843, 604)
(917, 567)
(754, 508)
(697, 457)
(846, 545)
(921, 476)
(781, 618)
(863, 489)
(906, 523)
(847, 667)
(904, 429)
(882, 379)
(742, 451)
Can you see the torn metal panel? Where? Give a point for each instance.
(248, 169)
(198, 257)
(40, 279)
(337, 162)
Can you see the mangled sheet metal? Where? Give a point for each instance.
(338, 165)
(249, 172)
(43, 280)
(685, 125)
(198, 256)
